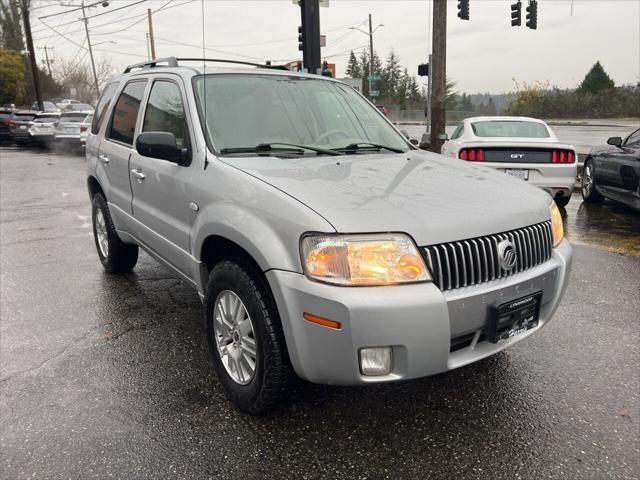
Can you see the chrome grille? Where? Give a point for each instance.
(473, 261)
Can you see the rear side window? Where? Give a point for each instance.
(101, 108)
(165, 112)
(125, 112)
(458, 132)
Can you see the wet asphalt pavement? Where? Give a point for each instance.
(109, 377)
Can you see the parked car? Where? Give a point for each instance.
(67, 130)
(66, 103)
(523, 147)
(19, 125)
(5, 119)
(79, 107)
(48, 106)
(318, 238)
(383, 110)
(42, 127)
(613, 172)
(85, 126)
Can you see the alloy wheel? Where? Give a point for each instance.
(101, 233)
(234, 337)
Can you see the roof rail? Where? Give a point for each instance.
(170, 62)
(173, 62)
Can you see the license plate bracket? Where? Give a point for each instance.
(513, 318)
(521, 173)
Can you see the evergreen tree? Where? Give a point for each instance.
(465, 103)
(402, 91)
(391, 78)
(354, 68)
(364, 68)
(415, 93)
(450, 96)
(596, 81)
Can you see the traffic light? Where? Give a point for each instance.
(516, 14)
(532, 14)
(301, 39)
(463, 9)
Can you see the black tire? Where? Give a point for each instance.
(562, 201)
(589, 192)
(120, 257)
(270, 381)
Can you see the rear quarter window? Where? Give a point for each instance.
(101, 108)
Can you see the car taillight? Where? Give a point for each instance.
(83, 128)
(563, 156)
(471, 154)
(8, 122)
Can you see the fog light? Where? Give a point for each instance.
(376, 361)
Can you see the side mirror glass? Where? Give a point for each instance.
(414, 141)
(161, 145)
(615, 141)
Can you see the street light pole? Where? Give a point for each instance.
(93, 65)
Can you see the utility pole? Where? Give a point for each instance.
(46, 56)
(371, 59)
(370, 35)
(309, 35)
(151, 41)
(438, 70)
(93, 65)
(32, 54)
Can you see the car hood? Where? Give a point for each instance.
(431, 197)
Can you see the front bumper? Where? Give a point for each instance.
(418, 321)
(556, 179)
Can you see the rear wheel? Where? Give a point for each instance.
(115, 255)
(245, 337)
(589, 192)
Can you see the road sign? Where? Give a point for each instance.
(371, 78)
(374, 93)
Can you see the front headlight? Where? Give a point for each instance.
(362, 260)
(556, 224)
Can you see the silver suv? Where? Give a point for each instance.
(320, 241)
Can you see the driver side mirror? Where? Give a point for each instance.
(161, 145)
(615, 141)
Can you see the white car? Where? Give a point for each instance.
(85, 126)
(520, 146)
(66, 103)
(42, 127)
(67, 129)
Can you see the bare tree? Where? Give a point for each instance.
(76, 78)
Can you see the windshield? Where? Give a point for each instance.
(509, 128)
(243, 111)
(46, 118)
(72, 117)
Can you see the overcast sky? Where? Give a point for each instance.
(484, 54)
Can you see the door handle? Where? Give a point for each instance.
(138, 174)
(104, 159)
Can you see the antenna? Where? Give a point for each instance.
(204, 92)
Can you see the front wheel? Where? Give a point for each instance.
(562, 201)
(589, 192)
(115, 255)
(245, 337)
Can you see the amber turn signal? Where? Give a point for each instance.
(321, 321)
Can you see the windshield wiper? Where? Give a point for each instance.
(279, 147)
(354, 147)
